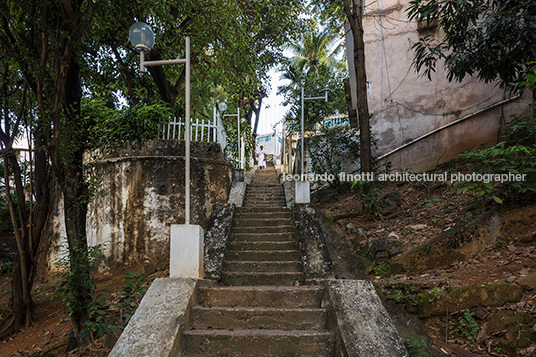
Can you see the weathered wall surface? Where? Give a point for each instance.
(407, 106)
(140, 194)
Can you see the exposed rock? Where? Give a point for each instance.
(315, 255)
(395, 251)
(417, 227)
(361, 234)
(513, 327)
(365, 328)
(390, 202)
(454, 245)
(394, 236)
(528, 282)
(510, 279)
(480, 313)
(378, 245)
(216, 238)
(467, 298)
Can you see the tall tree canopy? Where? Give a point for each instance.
(63, 53)
(492, 39)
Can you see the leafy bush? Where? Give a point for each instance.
(416, 346)
(517, 155)
(466, 326)
(370, 199)
(328, 152)
(113, 127)
(5, 216)
(133, 288)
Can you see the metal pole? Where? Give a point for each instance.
(238, 139)
(187, 139)
(302, 138)
(142, 61)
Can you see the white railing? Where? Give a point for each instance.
(204, 130)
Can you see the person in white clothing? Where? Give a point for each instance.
(261, 164)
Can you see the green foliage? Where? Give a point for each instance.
(6, 267)
(430, 202)
(515, 155)
(416, 346)
(435, 294)
(97, 325)
(133, 288)
(5, 217)
(381, 269)
(329, 150)
(466, 326)
(113, 128)
(72, 281)
(490, 39)
(370, 198)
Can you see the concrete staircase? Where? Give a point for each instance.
(261, 308)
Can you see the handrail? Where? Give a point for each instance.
(448, 125)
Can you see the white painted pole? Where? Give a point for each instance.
(238, 139)
(302, 138)
(187, 139)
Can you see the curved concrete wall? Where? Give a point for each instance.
(140, 194)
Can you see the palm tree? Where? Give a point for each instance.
(316, 52)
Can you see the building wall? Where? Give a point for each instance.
(406, 106)
(139, 193)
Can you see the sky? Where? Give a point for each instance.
(272, 111)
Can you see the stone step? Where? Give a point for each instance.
(264, 197)
(272, 201)
(264, 230)
(256, 266)
(261, 296)
(261, 278)
(264, 215)
(258, 343)
(262, 210)
(266, 205)
(263, 237)
(261, 222)
(262, 255)
(204, 318)
(270, 245)
(276, 191)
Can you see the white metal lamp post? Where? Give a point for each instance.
(186, 247)
(302, 192)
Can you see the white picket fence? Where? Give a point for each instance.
(204, 130)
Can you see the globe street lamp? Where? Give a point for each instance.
(142, 38)
(186, 241)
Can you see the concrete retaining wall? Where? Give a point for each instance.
(139, 194)
(155, 328)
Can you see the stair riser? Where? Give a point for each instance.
(252, 237)
(246, 210)
(290, 245)
(280, 319)
(267, 255)
(261, 222)
(264, 267)
(290, 298)
(265, 230)
(258, 345)
(263, 215)
(253, 279)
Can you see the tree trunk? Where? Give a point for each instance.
(354, 13)
(75, 193)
